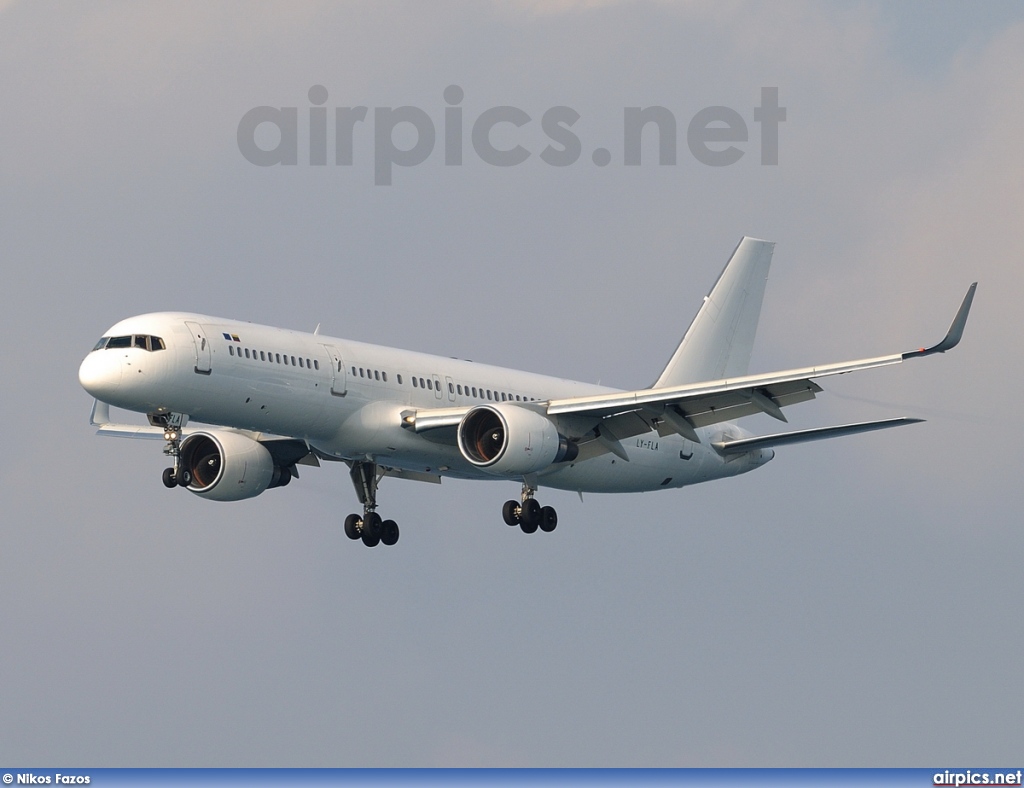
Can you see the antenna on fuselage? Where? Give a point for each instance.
(316, 330)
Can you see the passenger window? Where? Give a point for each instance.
(278, 355)
(247, 352)
(316, 364)
(385, 376)
(399, 380)
(451, 388)
(376, 375)
(308, 365)
(361, 374)
(293, 361)
(353, 371)
(262, 357)
(231, 350)
(414, 384)
(474, 391)
(300, 362)
(430, 385)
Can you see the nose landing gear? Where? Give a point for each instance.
(172, 424)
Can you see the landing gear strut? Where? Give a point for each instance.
(370, 527)
(172, 424)
(528, 514)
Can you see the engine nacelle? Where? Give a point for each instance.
(510, 440)
(226, 466)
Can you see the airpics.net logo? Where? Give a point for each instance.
(716, 136)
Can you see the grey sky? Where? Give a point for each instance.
(855, 602)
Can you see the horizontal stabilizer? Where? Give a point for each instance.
(803, 436)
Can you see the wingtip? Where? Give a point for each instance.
(956, 328)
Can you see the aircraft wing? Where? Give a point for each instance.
(743, 445)
(285, 451)
(609, 419)
(683, 408)
(100, 419)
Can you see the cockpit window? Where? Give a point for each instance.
(140, 341)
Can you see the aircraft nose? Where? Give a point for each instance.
(100, 374)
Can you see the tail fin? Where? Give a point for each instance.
(720, 339)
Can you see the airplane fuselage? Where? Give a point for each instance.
(346, 399)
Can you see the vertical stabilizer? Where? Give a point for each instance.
(720, 339)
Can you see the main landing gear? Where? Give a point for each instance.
(370, 527)
(529, 514)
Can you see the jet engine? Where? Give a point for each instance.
(510, 440)
(226, 466)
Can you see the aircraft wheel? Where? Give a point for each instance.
(184, 477)
(548, 519)
(371, 525)
(371, 540)
(389, 532)
(168, 478)
(510, 512)
(352, 526)
(529, 516)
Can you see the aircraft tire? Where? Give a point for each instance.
(548, 519)
(389, 532)
(371, 540)
(510, 512)
(371, 524)
(529, 516)
(352, 526)
(168, 478)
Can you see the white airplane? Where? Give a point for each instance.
(278, 399)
